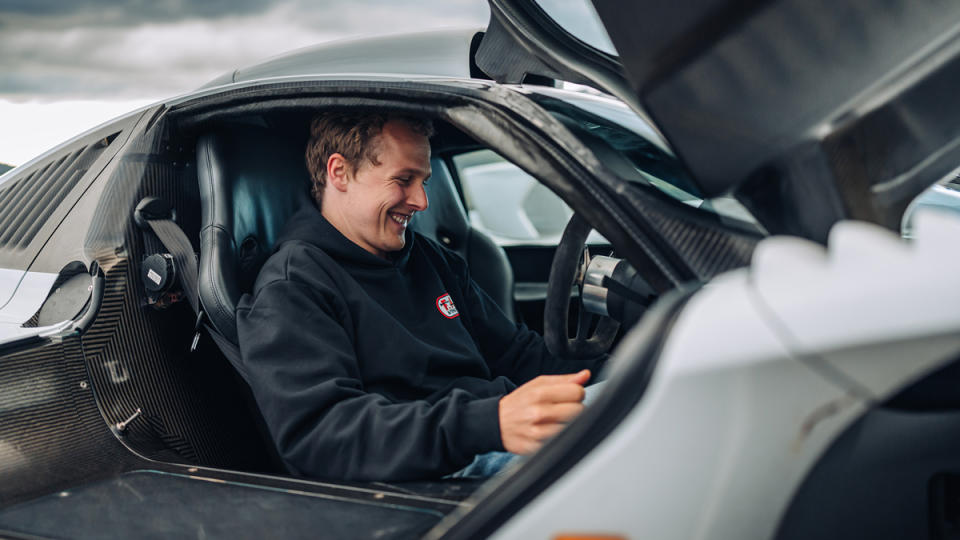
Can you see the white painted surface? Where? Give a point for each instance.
(22, 293)
(741, 407)
(9, 280)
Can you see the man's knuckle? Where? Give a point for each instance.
(536, 413)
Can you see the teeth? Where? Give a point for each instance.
(402, 220)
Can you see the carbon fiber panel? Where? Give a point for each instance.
(138, 359)
(191, 410)
(704, 243)
(51, 434)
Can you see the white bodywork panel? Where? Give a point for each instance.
(763, 369)
(9, 280)
(22, 294)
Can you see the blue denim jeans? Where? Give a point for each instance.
(493, 463)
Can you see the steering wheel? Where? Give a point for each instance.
(567, 261)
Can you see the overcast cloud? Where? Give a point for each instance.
(92, 49)
(69, 65)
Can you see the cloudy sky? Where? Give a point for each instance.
(68, 65)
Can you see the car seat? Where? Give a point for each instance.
(252, 179)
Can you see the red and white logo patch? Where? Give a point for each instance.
(446, 307)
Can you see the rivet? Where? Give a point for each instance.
(83, 385)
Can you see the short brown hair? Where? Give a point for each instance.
(354, 136)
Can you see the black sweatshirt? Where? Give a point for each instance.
(364, 368)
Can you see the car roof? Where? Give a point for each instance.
(443, 53)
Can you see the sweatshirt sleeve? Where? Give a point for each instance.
(511, 349)
(300, 364)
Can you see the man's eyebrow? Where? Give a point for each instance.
(427, 173)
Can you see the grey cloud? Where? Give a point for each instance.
(69, 13)
(48, 58)
(386, 16)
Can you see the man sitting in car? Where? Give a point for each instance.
(373, 355)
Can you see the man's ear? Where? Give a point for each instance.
(337, 169)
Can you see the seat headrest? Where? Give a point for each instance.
(251, 181)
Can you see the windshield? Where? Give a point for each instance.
(633, 150)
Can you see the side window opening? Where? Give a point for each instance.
(504, 201)
(508, 204)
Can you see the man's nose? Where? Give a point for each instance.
(417, 197)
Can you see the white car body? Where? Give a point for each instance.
(763, 370)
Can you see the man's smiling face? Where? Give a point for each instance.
(379, 198)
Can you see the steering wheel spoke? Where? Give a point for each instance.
(584, 323)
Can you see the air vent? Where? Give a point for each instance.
(27, 204)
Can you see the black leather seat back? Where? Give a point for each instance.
(251, 182)
(446, 221)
